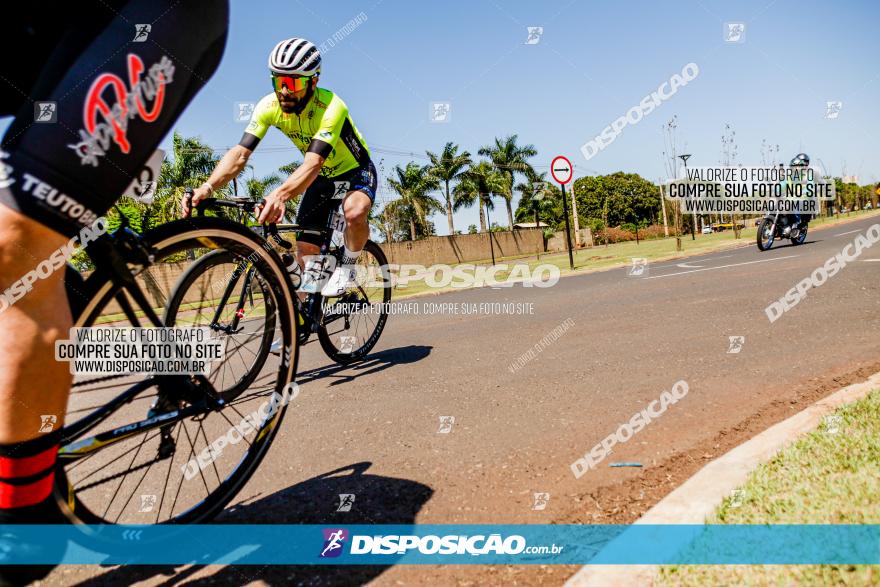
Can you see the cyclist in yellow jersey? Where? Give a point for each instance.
(336, 161)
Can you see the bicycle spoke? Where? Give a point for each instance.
(168, 475)
(101, 468)
(233, 425)
(122, 509)
(205, 438)
(122, 480)
(182, 477)
(192, 452)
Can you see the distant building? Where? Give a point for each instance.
(850, 179)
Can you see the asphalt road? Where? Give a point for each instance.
(373, 429)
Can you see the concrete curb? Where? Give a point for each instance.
(698, 497)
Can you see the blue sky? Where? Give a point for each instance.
(593, 62)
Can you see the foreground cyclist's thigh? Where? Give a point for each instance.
(32, 383)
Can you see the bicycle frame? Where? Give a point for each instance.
(112, 253)
(311, 308)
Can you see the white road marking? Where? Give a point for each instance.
(701, 261)
(870, 260)
(850, 232)
(723, 266)
(688, 266)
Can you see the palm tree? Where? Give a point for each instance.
(509, 158)
(290, 206)
(527, 190)
(289, 168)
(413, 184)
(447, 167)
(477, 185)
(191, 162)
(381, 222)
(257, 188)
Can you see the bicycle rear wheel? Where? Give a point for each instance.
(353, 322)
(167, 449)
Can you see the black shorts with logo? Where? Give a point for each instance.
(325, 195)
(94, 86)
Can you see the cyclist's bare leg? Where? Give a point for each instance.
(356, 207)
(32, 382)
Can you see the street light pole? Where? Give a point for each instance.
(685, 158)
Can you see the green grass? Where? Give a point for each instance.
(621, 254)
(823, 478)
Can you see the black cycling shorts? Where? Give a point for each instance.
(94, 86)
(324, 196)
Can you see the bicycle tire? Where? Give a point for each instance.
(100, 288)
(326, 338)
(198, 269)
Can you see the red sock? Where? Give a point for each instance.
(27, 472)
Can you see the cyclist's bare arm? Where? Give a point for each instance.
(296, 184)
(229, 166)
(302, 178)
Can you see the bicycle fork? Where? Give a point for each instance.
(246, 294)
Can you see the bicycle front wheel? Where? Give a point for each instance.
(142, 448)
(353, 322)
(231, 298)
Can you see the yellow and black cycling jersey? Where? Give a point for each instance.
(323, 127)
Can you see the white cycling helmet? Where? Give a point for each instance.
(295, 56)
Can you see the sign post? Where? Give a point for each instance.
(562, 171)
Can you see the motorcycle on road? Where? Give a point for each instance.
(774, 226)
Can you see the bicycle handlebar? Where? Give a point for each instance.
(245, 205)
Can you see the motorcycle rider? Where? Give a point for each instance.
(801, 162)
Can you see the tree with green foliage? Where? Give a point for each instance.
(414, 184)
(257, 188)
(630, 198)
(509, 159)
(477, 186)
(188, 165)
(550, 209)
(535, 192)
(447, 167)
(289, 168)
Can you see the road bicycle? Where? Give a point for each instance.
(143, 448)
(348, 326)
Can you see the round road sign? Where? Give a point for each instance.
(561, 169)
